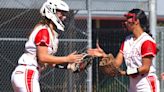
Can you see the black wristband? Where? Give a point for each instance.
(61, 66)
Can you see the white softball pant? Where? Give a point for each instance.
(25, 79)
(149, 83)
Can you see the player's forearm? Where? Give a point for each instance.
(143, 70)
(118, 60)
(44, 57)
(52, 59)
(146, 63)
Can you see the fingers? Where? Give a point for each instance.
(97, 45)
(90, 52)
(75, 52)
(77, 57)
(74, 57)
(95, 52)
(99, 48)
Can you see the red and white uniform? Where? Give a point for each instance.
(133, 51)
(25, 77)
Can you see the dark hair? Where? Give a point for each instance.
(140, 14)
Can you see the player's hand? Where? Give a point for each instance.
(123, 73)
(74, 57)
(51, 65)
(97, 52)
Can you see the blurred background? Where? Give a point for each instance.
(87, 21)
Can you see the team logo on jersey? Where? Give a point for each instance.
(149, 49)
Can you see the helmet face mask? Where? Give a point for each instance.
(49, 9)
(131, 15)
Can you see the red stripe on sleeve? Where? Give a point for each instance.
(148, 48)
(42, 38)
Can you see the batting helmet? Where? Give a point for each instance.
(49, 8)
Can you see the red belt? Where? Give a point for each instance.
(29, 65)
(137, 75)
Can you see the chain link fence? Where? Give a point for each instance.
(18, 17)
(160, 55)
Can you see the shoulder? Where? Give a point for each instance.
(39, 28)
(147, 38)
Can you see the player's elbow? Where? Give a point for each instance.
(42, 59)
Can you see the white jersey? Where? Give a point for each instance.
(134, 50)
(42, 34)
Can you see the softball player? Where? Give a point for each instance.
(40, 47)
(138, 51)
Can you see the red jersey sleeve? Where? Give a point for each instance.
(148, 48)
(42, 38)
(122, 47)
